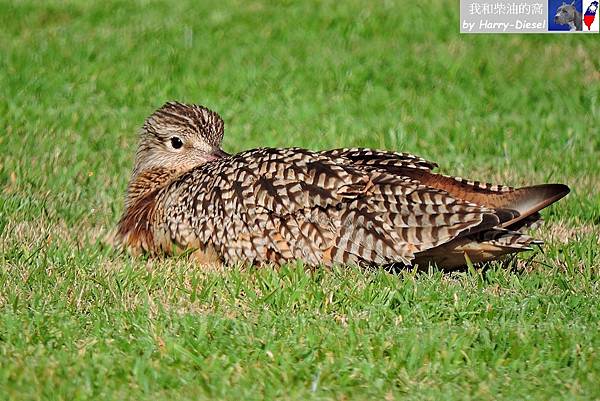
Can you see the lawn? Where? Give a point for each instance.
(79, 320)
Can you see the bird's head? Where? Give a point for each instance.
(178, 137)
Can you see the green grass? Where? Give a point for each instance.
(81, 321)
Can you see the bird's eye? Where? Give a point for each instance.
(176, 142)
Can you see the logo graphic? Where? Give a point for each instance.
(567, 16)
(530, 16)
(590, 16)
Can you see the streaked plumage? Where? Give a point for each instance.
(267, 205)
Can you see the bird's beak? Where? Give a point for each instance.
(218, 154)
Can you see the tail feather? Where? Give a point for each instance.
(526, 201)
(530, 200)
(516, 210)
(501, 230)
(531, 222)
(481, 247)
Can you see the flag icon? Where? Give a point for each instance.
(590, 19)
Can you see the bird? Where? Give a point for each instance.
(348, 206)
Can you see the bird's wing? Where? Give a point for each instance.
(276, 205)
(385, 159)
(525, 203)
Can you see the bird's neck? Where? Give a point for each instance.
(148, 182)
(135, 228)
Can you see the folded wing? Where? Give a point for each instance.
(343, 206)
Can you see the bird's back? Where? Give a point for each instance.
(341, 206)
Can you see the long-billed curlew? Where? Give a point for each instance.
(342, 206)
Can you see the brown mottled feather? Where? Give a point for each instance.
(323, 204)
(488, 245)
(136, 227)
(359, 206)
(526, 201)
